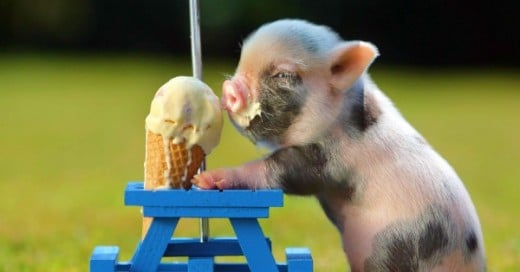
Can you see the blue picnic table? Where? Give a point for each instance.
(166, 207)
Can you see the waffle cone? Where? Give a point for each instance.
(183, 164)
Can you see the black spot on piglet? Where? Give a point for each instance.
(362, 109)
(281, 101)
(401, 255)
(298, 169)
(432, 239)
(471, 242)
(418, 244)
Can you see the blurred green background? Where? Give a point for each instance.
(73, 108)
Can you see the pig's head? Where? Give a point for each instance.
(291, 81)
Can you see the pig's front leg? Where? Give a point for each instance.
(295, 169)
(248, 176)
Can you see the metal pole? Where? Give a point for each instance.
(196, 63)
(196, 56)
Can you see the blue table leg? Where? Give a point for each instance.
(254, 245)
(149, 254)
(201, 264)
(104, 259)
(299, 259)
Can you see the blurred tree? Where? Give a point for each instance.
(44, 22)
(428, 32)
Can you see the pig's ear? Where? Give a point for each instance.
(348, 61)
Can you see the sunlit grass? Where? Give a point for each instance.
(72, 135)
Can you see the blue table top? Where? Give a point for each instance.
(136, 195)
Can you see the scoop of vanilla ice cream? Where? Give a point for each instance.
(186, 109)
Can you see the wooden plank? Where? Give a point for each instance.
(135, 195)
(183, 267)
(208, 212)
(221, 246)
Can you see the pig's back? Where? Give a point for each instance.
(411, 211)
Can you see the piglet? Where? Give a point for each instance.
(302, 91)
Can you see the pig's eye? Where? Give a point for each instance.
(285, 75)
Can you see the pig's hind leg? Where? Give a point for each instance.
(430, 242)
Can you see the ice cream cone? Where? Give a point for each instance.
(184, 125)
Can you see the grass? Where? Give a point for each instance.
(71, 135)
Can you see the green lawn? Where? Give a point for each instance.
(72, 135)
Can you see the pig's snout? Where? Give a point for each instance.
(233, 96)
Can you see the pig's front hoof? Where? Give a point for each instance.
(203, 181)
(213, 179)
